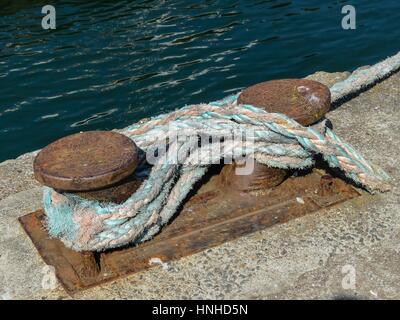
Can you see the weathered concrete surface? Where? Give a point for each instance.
(17, 175)
(300, 259)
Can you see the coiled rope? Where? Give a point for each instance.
(276, 141)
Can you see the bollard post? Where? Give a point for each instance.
(96, 165)
(305, 101)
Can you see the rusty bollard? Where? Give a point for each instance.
(96, 165)
(305, 101)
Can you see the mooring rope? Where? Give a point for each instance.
(272, 139)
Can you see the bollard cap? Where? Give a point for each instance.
(86, 161)
(306, 101)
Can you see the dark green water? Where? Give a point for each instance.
(111, 63)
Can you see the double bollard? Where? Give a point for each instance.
(100, 165)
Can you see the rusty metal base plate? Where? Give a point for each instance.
(209, 218)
